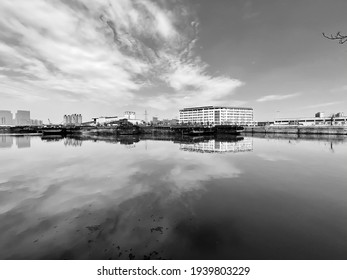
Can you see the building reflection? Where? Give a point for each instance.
(23, 142)
(236, 145)
(52, 138)
(127, 140)
(6, 141)
(73, 142)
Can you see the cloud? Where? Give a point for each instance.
(321, 105)
(339, 89)
(196, 86)
(249, 11)
(104, 50)
(277, 97)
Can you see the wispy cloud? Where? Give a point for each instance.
(99, 50)
(321, 105)
(249, 11)
(339, 89)
(277, 97)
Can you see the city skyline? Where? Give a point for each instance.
(101, 58)
(21, 117)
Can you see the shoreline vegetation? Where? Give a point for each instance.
(123, 130)
(174, 130)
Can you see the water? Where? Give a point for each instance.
(106, 198)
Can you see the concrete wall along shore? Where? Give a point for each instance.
(332, 130)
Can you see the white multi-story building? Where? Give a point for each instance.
(217, 115)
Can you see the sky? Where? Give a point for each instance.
(104, 57)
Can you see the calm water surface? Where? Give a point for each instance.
(251, 198)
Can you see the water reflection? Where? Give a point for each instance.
(235, 145)
(73, 142)
(329, 141)
(280, 200)
(201, 144)
(23, 142)
(6, 141)
(52, 138)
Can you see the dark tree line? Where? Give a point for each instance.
(338, 36)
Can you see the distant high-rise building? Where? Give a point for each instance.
(36, 122)
(319, 115)
(129, 115)
(23, 118)
(74, 119)
(6, 117)
(155, 120)
(339, 115)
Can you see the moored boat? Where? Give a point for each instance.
(53, 131)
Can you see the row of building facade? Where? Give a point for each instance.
(222, 115)
(217, 115)
(318, 119)
(21, 118)
(203, 115)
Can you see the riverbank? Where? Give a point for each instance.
(174, 130)
(297, 129)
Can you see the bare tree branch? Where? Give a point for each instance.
(338, 36)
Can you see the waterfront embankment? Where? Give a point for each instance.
(173, 130)
(296, 129)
